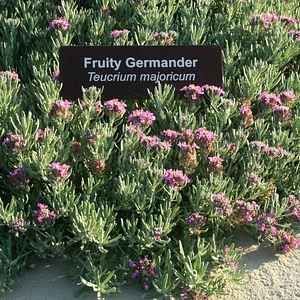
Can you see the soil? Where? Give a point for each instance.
(269, 276)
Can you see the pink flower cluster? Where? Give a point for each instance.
(273, 152)
(196, 222)
(165, 38)
(268, 19)
(115, 34)
(141, 118)
(288, 242)
(60, 171)
(295, 34)
(222, 204)
(170, 135)
(267, 224)
(215, 163)
(294, 207)
(194, 93)
(187, 147)
(246, 212)
(144, 270)
(13, 142)
(175, 179)
(154, 143)
(17, 177)
(44, 214)
(10, 75)
(246, 114)
(276, 103)
(204, 137)
(115, 107)
(60, 23)
(61, 108)
(19, 225)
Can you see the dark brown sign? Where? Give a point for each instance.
(128, 71)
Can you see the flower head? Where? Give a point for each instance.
(246, 212)
(295, 34)
(222, 204)
(269, 100)
(9, 75)
(96, 166)
(287, 96)
(61, 109)
(175, 179)
(282, 112)
(115, 34)
(213, 90)
(43, 214)
(60, 23)
(13, 142)
(154, 143)
(141, 118)
(215, 163)
(170, 135)
(288, 242)
(204, 137)
(193, 92)
(115, 107)
(60, 171)
(267, 224)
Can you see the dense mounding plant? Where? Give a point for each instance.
(149, 191)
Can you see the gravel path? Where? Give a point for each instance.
(268, 277)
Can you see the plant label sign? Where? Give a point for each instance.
(128, 71)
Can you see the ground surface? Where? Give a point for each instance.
(269, 277)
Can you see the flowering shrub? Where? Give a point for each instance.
(149, 191)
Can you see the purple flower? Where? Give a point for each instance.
(187, 136)
(44, 214)
(10, 75)
(60, 23)
(273, 152)
(18, 225)
(294, 207)
(193, 92)
(165, 38)
(196, 222)
(115, 107)
(246, 212)
(175, 179)
(288, 242)
(215, 163)
(60, 171)
(170, 135)
(154, 143)
(288, 20)
(287, 96)
(186, 147)
(115, 34)
(265, 19)
(213, 90)
(14, 142)
(141, 117)
(204, 137)
(269, 100)
(267, 224)
(282, 112)
(144, 270)
(18, 176)
(61, 109)
(222, 204)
